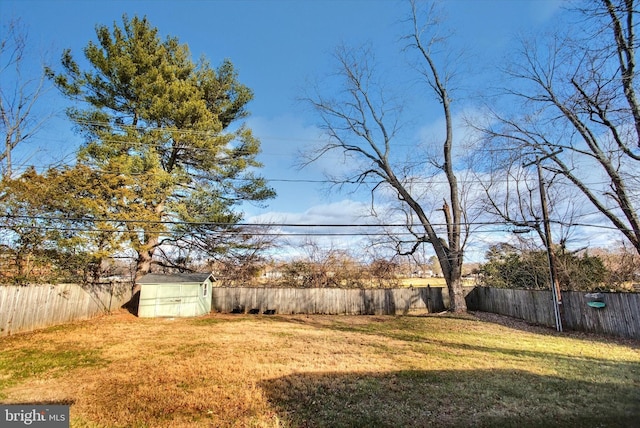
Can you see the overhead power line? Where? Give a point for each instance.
(242, 224)
(264, 229)
(306, 180)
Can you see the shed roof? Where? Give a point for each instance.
(176, 278)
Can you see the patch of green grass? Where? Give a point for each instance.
(24, 363)
(464, 372)
(491, 398)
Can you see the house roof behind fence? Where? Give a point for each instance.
(176, 278)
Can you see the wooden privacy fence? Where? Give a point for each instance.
(31, 307)
(28, 308)
(619, 317)
(338, 301)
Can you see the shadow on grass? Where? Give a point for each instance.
(472, 317)
(457, 398)
(401, 329)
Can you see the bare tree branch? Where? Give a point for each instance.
(19, 95)
(363, 124)
(578, 93)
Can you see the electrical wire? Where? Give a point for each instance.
(241, 227)
(309, 181)
(245, 224)
(272, 180)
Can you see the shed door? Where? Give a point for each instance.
(168, 300)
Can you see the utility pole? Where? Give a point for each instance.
(553, 273)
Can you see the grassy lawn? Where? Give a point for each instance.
(323, 371)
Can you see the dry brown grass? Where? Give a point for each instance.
(282, 371)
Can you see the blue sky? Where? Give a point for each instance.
(278, 46)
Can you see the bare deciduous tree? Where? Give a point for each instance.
(512, 195)
(579, 108)
(363, 123)
(19, 94)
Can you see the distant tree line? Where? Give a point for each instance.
(506, 266)
(326, 269)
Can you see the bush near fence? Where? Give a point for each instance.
(31, 307)
(333, 301)
(620, 316)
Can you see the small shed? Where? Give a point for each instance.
(175, 295)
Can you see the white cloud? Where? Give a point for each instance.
(344, 212)
(543, 10)
(330, 226)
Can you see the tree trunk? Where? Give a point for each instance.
(143, 266)
(147, 249)
(457, 304)
(145, 259)
(453, 276)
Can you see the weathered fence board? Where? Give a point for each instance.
(328, 300)
(31, 307)
(620, 316)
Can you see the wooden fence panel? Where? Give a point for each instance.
(32, 307)
(620, 316)
(327, 300)
(29, 308)
(8, 295)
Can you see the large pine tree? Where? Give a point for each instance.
(165, 148)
